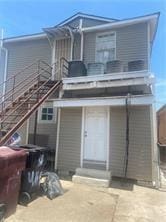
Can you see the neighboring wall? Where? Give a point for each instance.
(161, 121)
(70, 139)
(131, 44)
(140, 156)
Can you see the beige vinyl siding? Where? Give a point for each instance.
(140, 156)
(77, 47)
(22, 54)
(131, 44)
(69, 139)
(62, 49)
(46, 132)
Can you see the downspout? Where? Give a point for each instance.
(6, 62)
(127, 137)
(72, 42)
(82, 39)
(53, 60)
(52, 46)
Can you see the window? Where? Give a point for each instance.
(105, 47)
(47, 114)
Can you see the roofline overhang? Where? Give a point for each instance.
(83, 15)
(25, 38)
(124, 22)
(117, 23)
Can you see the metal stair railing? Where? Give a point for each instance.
(41, 86)
(14, 89)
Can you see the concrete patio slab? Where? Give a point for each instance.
(123, 202)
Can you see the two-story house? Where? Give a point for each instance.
(102, 120)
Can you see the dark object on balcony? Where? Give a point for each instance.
(136, 65)
(95, 69)
(114, 66)
(77, 68)
(12, 163)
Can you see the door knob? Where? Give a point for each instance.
(85, 133)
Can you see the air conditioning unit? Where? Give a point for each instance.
(95, 69)
(114, 66)
(136, 65)
(77, 68)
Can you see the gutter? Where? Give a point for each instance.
(121, 23)
(25, 37)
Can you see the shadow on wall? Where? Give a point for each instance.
(122, 183)
(41, 139)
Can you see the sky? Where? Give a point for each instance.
(20, 17)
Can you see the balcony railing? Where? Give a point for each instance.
(79, 69)
(76, 77)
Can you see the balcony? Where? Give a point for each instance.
(96, 76)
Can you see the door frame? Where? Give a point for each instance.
(82, 136)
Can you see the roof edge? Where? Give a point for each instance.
(25, 37)
(123, 22)
(80, 14)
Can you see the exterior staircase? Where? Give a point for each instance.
(22, 95)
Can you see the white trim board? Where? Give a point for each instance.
(108, 76)
(122, 23)
(24, 38)
(105, 84)
(104, 101)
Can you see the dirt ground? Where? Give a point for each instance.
(122, 202)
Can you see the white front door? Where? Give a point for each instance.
(95, 133)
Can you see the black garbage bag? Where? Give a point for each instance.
(51, 185)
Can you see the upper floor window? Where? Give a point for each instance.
(105, 47)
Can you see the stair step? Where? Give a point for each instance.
(13, 115)
(8, 122)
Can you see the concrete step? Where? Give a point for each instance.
(99, 174)
(99, 178)
(91, 181)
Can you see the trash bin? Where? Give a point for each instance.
(12, 163)
(30, 180)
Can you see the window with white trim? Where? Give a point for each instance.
(47, 113)
(105, 47)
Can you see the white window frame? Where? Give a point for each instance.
(47, 105)
(100, 34)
